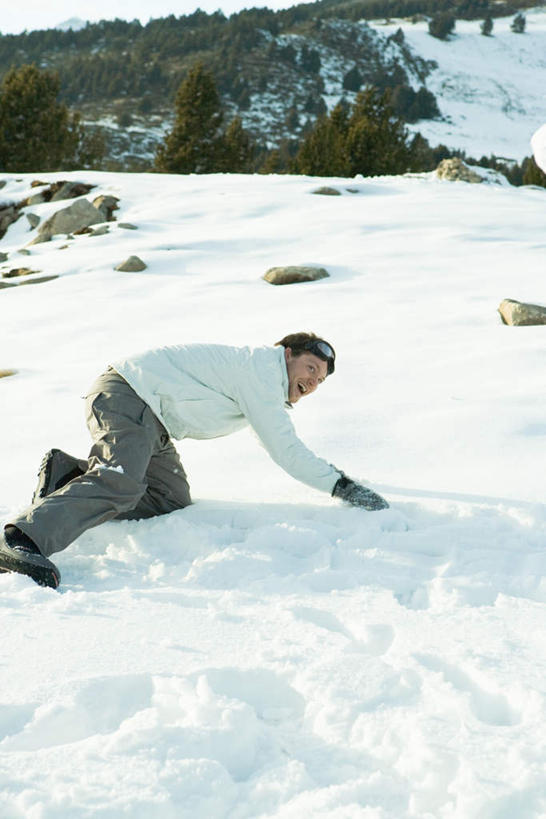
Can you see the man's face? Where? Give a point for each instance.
(305, 373)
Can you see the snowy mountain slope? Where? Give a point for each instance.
(491, 91)
(269, 652)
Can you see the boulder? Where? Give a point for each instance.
(15, 272)
(521, 314)
(127, 226)
(293, 274)
(326, 191)
(69, 220)
(8, 215)
(56, 192)
(33, 219)
(68, 190)
(34, 280)
(455, 170)
(3, 257)
(106, 205)
(35, 199)
(131, 265)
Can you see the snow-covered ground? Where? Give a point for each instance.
(269, 652)
(491, 91)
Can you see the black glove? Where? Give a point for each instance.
(358, 495)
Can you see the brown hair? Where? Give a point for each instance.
(301, 343)
(297, 342)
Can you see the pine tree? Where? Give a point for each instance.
(193, 145)
(323, 151)
(37, 133)
(352, 81)
(532, 174)
(518, 23)
(237, 148)
(487, 26)
(197, 142)
(377, 140)
(441, 25)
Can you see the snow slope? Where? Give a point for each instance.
(269, 652)
(491, 91)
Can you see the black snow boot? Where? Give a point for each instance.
(56, 470)
(18, 553)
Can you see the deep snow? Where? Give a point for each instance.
(269, 652)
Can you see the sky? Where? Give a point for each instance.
(35, 14)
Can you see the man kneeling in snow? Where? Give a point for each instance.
(134, 410)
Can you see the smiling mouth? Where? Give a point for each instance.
(302, 388)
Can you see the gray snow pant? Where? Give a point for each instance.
(133, 471)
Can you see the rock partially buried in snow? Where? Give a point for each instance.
(293, 274)
(326, 191)
(106, 205)
(455, 170)
(127, 226)
(131, 265)
(8, 215)
(520, 314)
(15, 272)
(33, 280)
(68, 220)
(34, 220)
(7, 373)
(56, 192)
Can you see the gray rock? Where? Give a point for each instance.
(34, 280)
(100, 231)
(67, 190)
(15, 272)
(293, 274)
(35, 199)
(55, 192)
(3, 257)
(69, 220)
(106, 205)
(8, 215)
(521, 314)
(455, 170)
(131, 265)
(33, 219)
(326, 191)
(24, 252)
(3, 183)
(127, 226)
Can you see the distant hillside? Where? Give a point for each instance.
(277, 70)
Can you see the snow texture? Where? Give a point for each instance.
(270, 652)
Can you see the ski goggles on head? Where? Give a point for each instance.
(324, 351)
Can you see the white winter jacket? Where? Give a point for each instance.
(210, 390)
